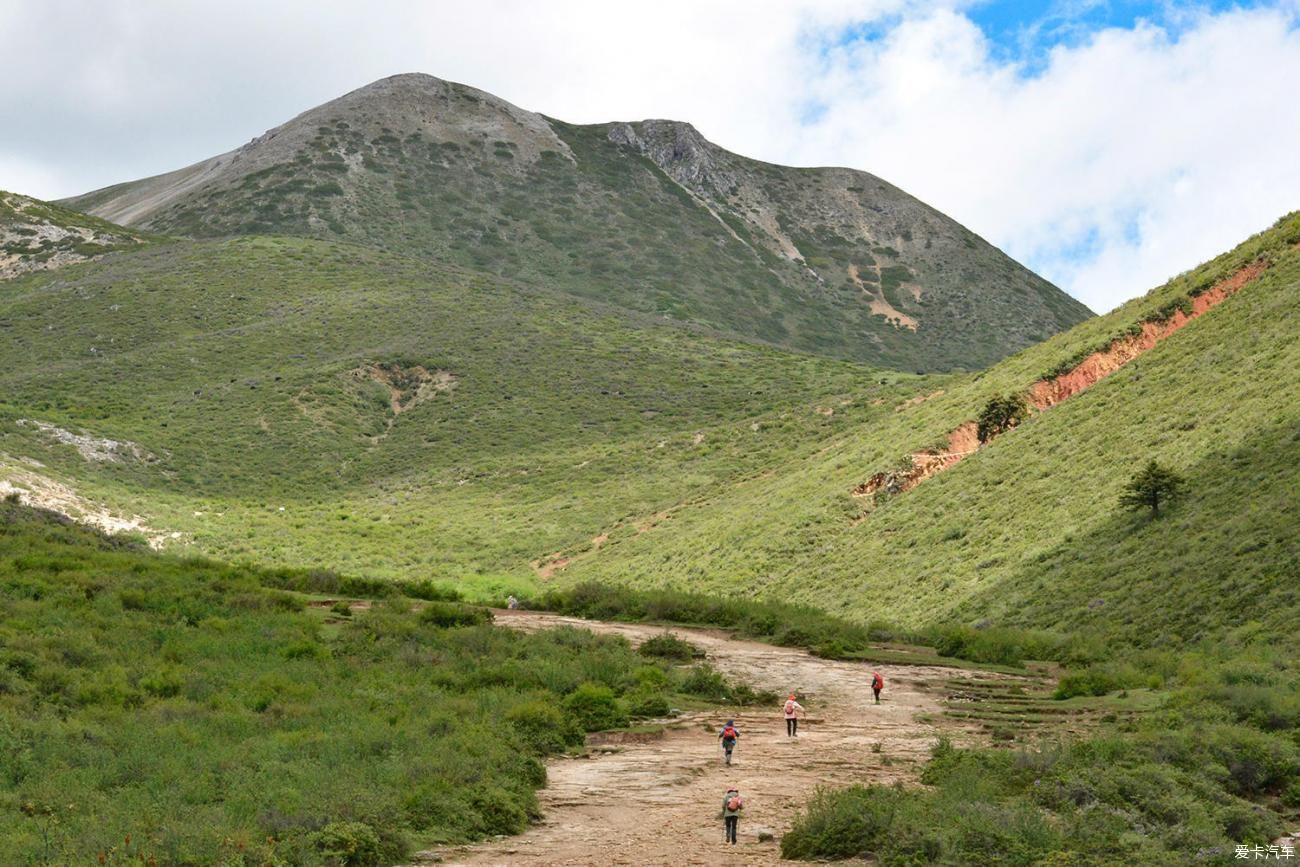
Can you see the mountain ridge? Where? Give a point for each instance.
(649, 215)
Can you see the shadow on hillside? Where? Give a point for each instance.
(1227, 554)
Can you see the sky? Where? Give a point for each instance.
(1106, 145)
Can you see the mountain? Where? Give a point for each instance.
(39, 236)
(649, 216)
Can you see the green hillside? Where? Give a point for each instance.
(648, 216)
(1028, 531)
(313, 403)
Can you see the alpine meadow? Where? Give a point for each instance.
(429, 480)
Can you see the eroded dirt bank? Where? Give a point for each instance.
(655, 800)
(1046, 393)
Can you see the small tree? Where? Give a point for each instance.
(1001, 414)
(1151, 486)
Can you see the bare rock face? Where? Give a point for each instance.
(649, 216)
(677, 148)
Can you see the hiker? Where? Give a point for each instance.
(792, 711)
(729, 736)
(732, 804)
(877, 684)
(512, 603)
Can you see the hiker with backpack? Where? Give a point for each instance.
(728, 736)
(877, 684)
(793, 710)
(732, 804)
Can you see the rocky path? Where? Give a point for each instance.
(655, 800)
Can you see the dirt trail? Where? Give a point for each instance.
(655, 800)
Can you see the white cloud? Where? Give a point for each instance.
(1124, 158)
(1129, 157)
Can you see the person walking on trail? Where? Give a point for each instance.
(793, 710)
(732, 804)
(512, 603)
(728, 736)
(877, 684)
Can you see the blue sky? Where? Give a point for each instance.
(1025, 31)
(1107, 145)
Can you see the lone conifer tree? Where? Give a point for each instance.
(1151, 486)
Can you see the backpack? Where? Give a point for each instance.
(877, 682)
(729, 733)
(734, 803)
(789, 707)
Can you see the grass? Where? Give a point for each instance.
(204, 715)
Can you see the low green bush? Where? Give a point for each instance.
(646, 704)
(448, 614)
(595, 707)
(669, 646)
(543, 727)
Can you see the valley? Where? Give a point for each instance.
(281, 432)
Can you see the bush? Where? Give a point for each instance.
(447, 614)
(669, 646)
(648, 705)
(349, 844)
(704, 681)
(595, 708)
(844, 823)
(543, 727)
(1090, 682)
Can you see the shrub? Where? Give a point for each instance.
(844, 823)
(1090, 682)
(1001, 414)
(705, 682)
(543, 727)
(648, 705)
(650, 677)
(498, 811)
(349, 844)
(595, 708)
(447, 614)
(669, 646)
(165, 683)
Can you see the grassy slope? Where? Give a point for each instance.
(231, 361)
(1028, 531)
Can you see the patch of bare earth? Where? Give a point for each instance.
(90, 447)
(408, 387)
(42, 492)
(879, 305)
(654, 798)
